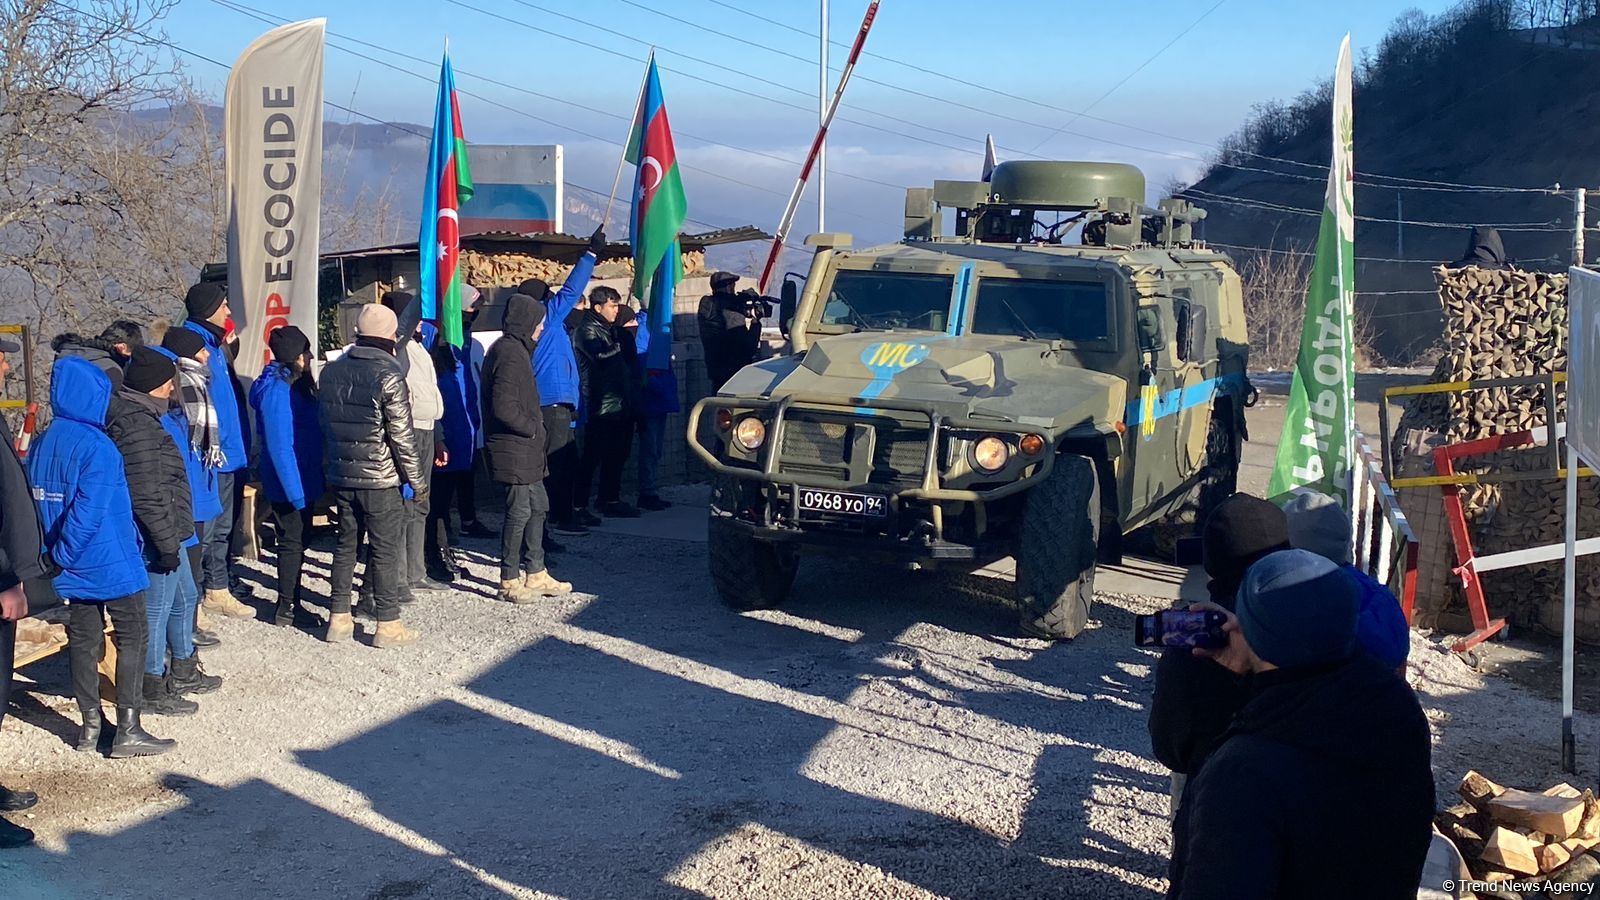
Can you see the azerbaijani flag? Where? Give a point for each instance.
(449, 185)
(658, 213)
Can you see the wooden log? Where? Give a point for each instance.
(1558, 817)
(1511, 851)
(1551, 857)
(1478, 790)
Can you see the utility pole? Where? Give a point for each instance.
(1579, 216)
(1399, 226)
(823, 92)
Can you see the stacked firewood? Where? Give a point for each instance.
(1506, 323)
(506, 269)
(1507, 834)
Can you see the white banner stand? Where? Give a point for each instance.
(1583, 447)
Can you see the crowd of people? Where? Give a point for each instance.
(1285, 741)
(128, 506)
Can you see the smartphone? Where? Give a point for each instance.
(1180, 628)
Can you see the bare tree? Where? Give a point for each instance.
(109, 173)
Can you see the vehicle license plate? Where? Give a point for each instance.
(843, 503)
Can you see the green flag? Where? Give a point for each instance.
(1319, 426)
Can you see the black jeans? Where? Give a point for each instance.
(86, 635)
(448, 487)
(606, 444)
(522, 533)
(218, 536)
(293, 526)
(416, 568)
(561, 461)
(381, 513)
(467, 488)
(8, 659)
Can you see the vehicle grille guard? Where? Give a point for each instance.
(773, 411)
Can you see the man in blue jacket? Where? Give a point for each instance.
(658, 400)
(284, 398)
(460, 426)
(207, 307)
(556, 371)
(81, 493)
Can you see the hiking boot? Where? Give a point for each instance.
(394, 634)
(159, 700)
(542, 583)
(16, 801)
(513, 592)
(569, 529)
(653, 503)
(186, 677)
(341, 627)
(13, 836)
(586, 518)
(132, 740)
(202, 622)
(476, 529)
(616, 509)
(283, 615)
(223, 603)
(206, 638)
(89, 733)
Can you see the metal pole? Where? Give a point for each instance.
(822, 118)
(1399, 226)
(1569, 755)
(1580, 213)
(816, 144)
(638, 114)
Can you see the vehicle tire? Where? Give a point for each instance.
(748, 573)
(1057, 550)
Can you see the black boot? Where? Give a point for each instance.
(16, 801)
(187, 677)
(159, 700)
(13, 836)
(206, 638)
(89, 734)
(283, 616)
(132, 740)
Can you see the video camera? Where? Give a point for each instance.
(754, 304)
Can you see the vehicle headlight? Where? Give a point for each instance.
(991, 454)
(750, 433)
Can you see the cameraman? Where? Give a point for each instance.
(730, 328)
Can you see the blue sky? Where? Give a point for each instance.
(1065, 56)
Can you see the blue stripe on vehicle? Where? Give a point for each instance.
(958, 301)
(1173, 402)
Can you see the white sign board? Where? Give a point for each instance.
(1583, 365)
(515, 188)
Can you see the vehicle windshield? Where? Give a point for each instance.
(1043, 310)
(868, 301)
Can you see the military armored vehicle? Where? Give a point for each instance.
(955, 399)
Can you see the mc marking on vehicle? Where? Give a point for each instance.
(893, 356)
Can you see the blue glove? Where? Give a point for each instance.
(406, 492)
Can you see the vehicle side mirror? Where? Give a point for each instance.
(1149, 324)
(788, 301)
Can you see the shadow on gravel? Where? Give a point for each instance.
(625, 754)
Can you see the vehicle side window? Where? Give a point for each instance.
(1183, 317)
(1041, 309)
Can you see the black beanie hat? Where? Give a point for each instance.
(203, 300)
(183, 342)
(1241, 530)
(536, 288)
(288, 343)
(147, 370)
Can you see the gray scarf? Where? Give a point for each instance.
(194, 388)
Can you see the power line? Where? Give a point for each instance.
(1129, 77)
(1552, 225)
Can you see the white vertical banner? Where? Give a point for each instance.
(272, 143)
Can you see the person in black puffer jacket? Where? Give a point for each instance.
(1325, 726)
(158, 485)
(515, 443)
(610, 394)
(1194, 700)
(370, 457)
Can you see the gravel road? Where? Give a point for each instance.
(887, 735)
